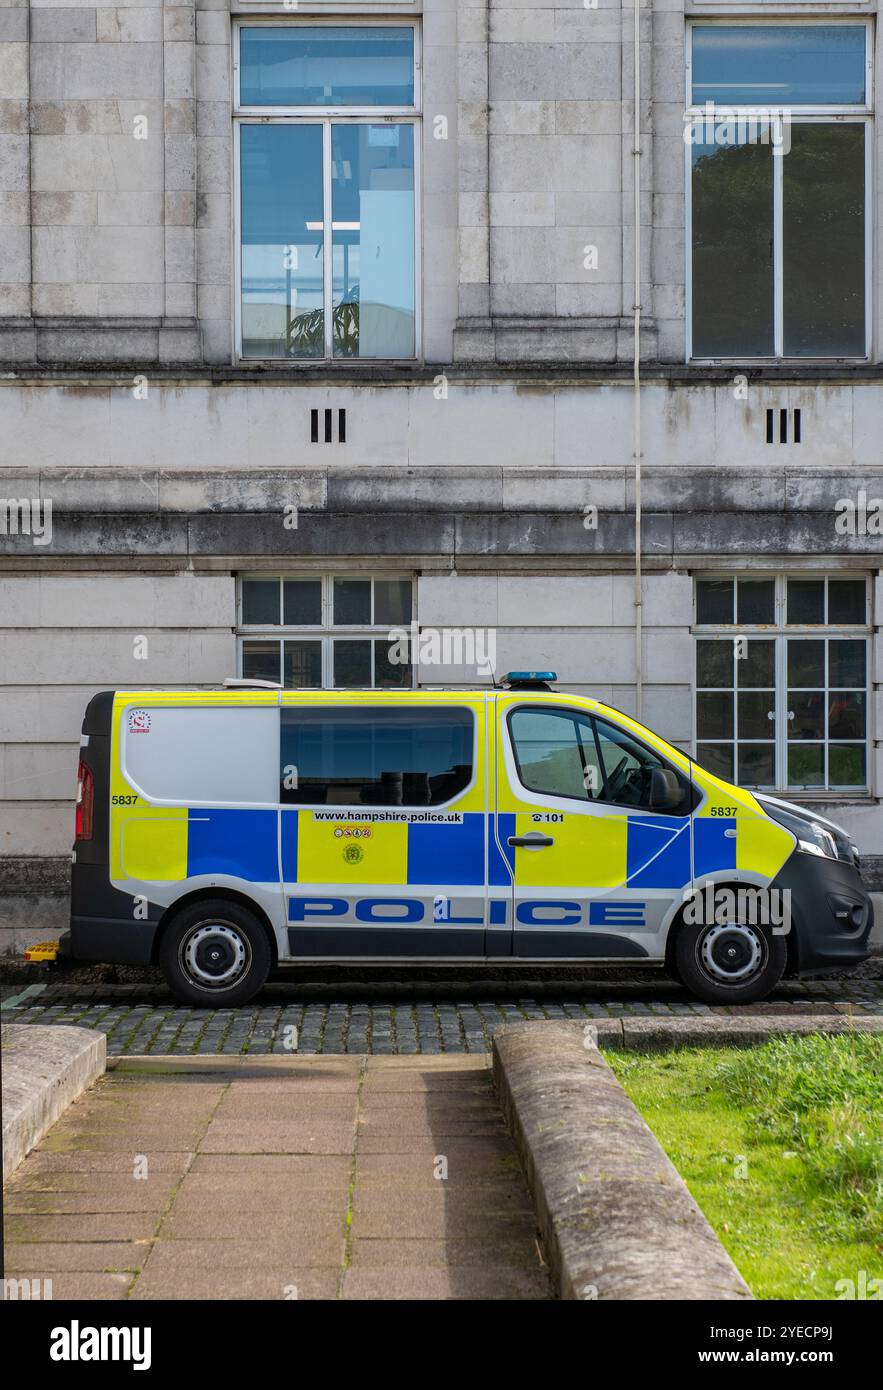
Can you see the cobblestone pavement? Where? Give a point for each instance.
(457, 1015)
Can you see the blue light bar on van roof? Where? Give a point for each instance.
(519, 677)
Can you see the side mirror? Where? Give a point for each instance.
(666, 791)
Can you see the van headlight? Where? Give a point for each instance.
(812, 838)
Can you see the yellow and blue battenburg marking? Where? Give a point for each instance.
(714, 844)
(412, 852)
(658, 852)
(170, 844)
(635, 851)
(241, 843)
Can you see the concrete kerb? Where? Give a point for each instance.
(44, 1070)
(720, 1029)
(616, 1217)
(727, 1031)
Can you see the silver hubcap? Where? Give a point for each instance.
(731, 954)
(214, 955)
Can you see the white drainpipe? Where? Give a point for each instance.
(636, 407)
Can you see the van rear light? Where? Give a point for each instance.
(85, 801)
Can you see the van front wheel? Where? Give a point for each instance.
(729, 963)
(215, 954)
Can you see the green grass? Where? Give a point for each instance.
(782, 1147)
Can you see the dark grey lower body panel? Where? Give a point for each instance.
(324, 943)
(421, 943)
(582, 945)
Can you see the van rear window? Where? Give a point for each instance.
(375, 757)
(195, 754)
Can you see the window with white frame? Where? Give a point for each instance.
(327, 140)
(334, 631)
(779, 147)
(782, 680)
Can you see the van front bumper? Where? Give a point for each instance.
(832, 915)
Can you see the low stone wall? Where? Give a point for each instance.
(44, 1070)
(34, 900)
(616, 1217)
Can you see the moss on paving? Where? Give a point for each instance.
(782, 1147)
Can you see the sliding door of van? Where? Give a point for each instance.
(595, 866)
(383, 824)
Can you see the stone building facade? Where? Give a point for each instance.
(318, 320)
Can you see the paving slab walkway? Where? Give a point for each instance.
(267, 1177)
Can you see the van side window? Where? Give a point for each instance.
(556, 753)
(628, 767)
(353, 756)
(193, 755)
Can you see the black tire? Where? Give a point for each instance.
(671, 964)
(750, 955)
(215, 937)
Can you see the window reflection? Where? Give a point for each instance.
(732, 249)
(824, 205)
(282, 241)
(325, 65)
(372, 180)
(779, 64)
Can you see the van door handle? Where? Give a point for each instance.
(532, 841)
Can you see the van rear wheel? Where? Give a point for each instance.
(215, 954)
(729, 963)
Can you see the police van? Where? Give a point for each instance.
(226, 834)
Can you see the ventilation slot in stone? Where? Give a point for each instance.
(783, 426)
(324, 419)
